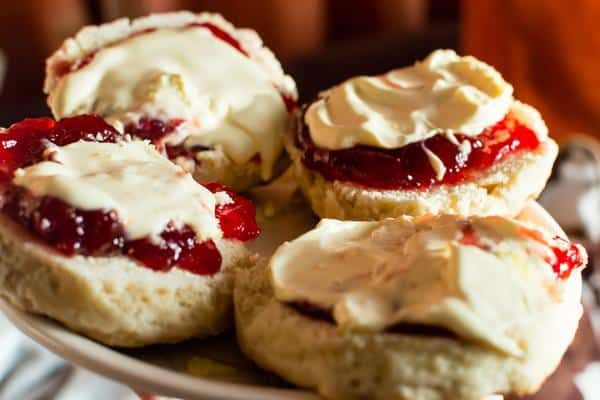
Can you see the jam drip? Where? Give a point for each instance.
(237, 218)
(99, 232)
(567, 257)
(408, 167)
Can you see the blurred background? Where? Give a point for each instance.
(545, 48)
(319, 42)
(548, 50)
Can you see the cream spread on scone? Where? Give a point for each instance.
(145, 189)
(488, 280)
(225, 98)
(444, 93)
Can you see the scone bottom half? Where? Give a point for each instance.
(425, 308)
(444, 136)
(220, 114)
(104, 234)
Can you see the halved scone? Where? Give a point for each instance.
(442, 136)
(105, 235)
(427, 308)
(211, 97)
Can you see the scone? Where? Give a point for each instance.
(211, 97)
(442, 136)
(105, 235)
(413, 308)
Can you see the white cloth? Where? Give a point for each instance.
(35, 362)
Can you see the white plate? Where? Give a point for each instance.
(172, 370)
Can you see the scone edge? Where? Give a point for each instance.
(315, 355)
(504, 189)
(112, 299)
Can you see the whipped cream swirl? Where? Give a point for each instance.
(445, 93)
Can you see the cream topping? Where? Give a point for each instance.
(132, 178)
(226, 99)
(485, 279)
(444, 93)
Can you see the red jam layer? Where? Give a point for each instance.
(408, 167)
(24, 142)
(99, 232)
(237, 219)
(567, 256)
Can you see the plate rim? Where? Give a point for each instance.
(132, 372)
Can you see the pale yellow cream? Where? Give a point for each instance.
(132, 178)
(444, 93)
(374, 275)
(226, 99)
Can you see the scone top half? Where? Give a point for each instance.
(423, 308)
(210, 96)
(442, 136)
(96, 225)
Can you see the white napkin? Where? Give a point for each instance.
(37, 362)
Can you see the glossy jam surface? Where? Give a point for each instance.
(237, 218)
(566, 259)
(156, 130)
(153, 129)
(24, 142)
(567, 256)
(99, 232)
(409, 167)
(178, 247)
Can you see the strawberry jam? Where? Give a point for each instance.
(24, 142)
(153, 129)
(67, 67)
(100, 232)
(408, 167)
(237, 217)
(220, 34)
(567, 257)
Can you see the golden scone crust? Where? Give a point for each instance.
(387, 366)
(504, 189)
(113, 299)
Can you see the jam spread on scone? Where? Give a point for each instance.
(484, 279)
(410, 167)
(444, 121)
(229, 97)
(43, 161)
